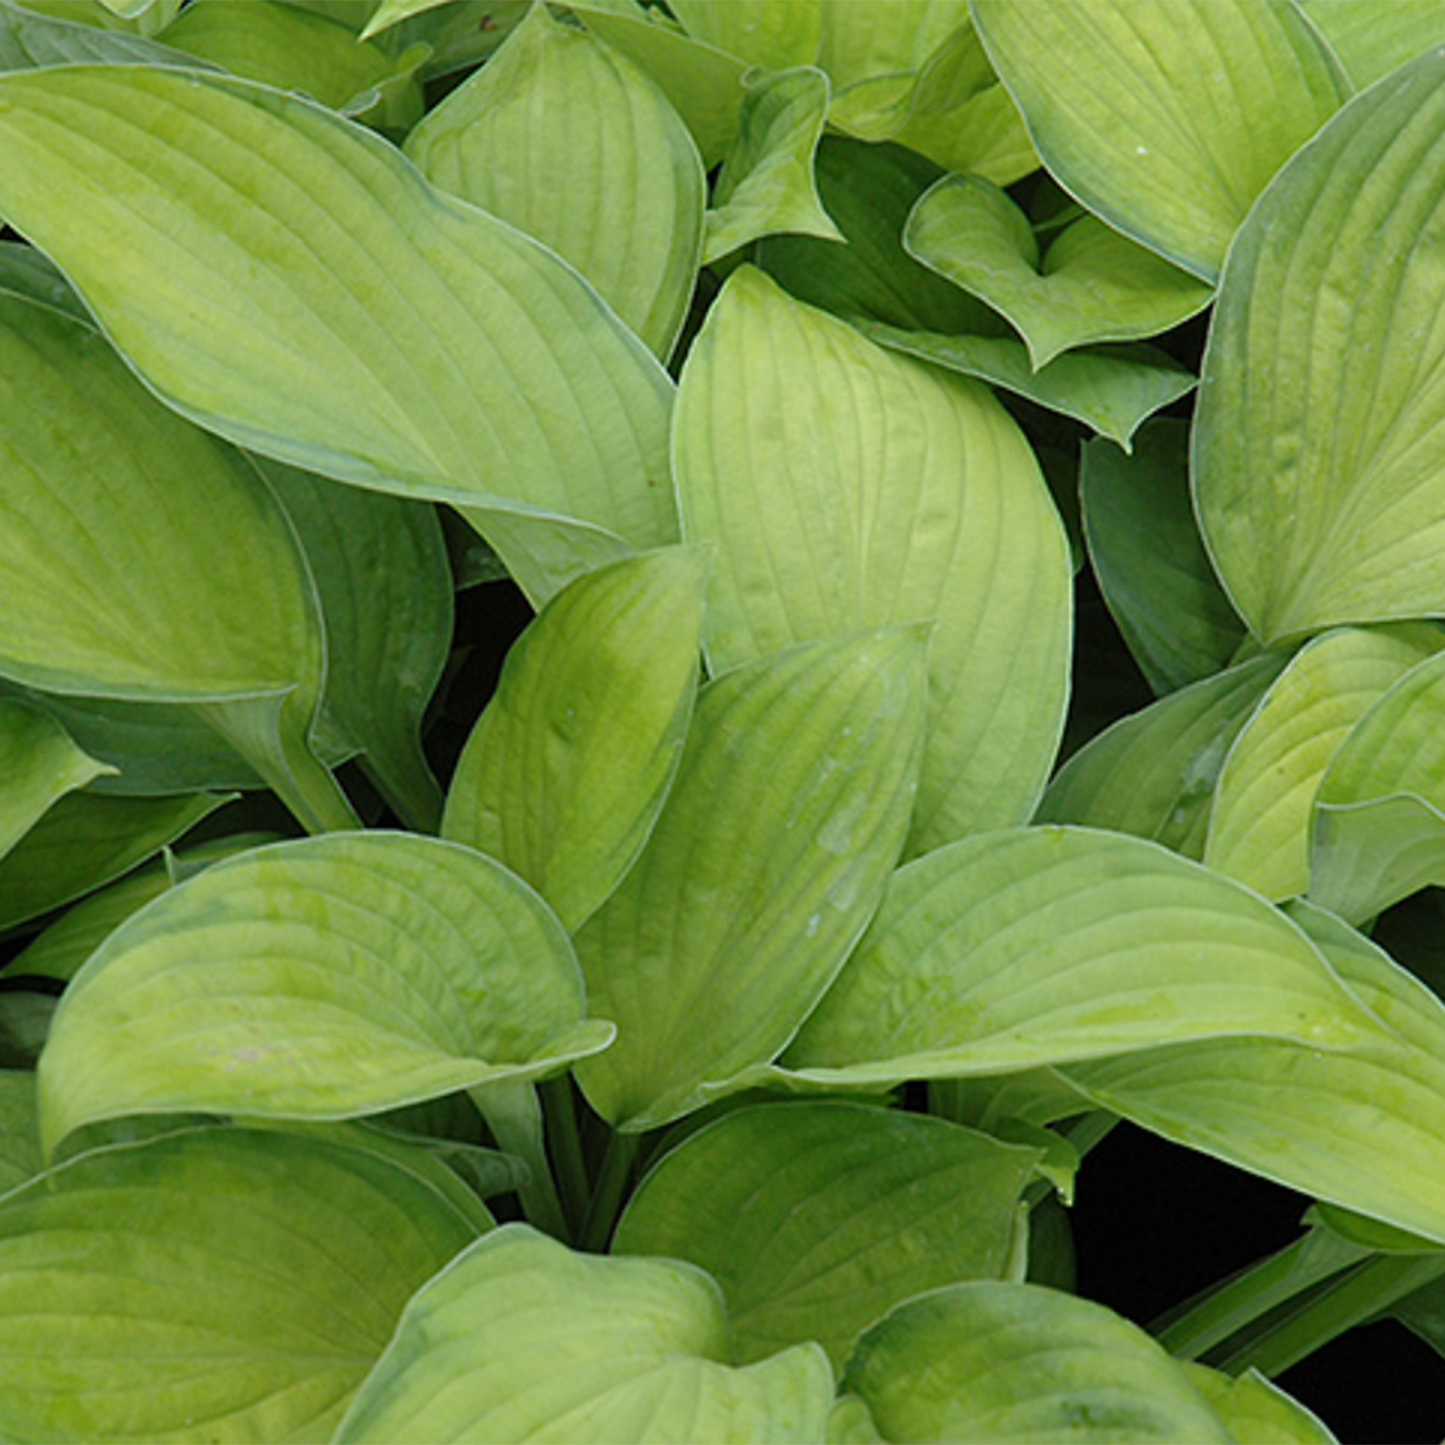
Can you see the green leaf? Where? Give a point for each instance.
(771, 34)
(568, 140)
(702, 82)
(84, 842)
(564, 774)
(25, 273)
(1092, 284)
(1363, 1128)
(1257, 1412)
(846, 487)
(790, 806)
(817, 1218)
(1379, 821)
(1016, 1362)
(1171, 116)
(20, 1157)
(423, 347)
(1149, 560)
(766, 183)
(204, 601)
(30, 41)
(1153, 773)
(1113, 389)
(1333, 471)
(644, 1343)
(320, 979)
(1372, 40)
(219, 1284)
(1034, 946)
(380, 568)
(298, 50)
(1259, 830)
(869, 191)
(40, 763)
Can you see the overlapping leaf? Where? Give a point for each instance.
(565, 138)
(645, 1346)
(1332, 470)
(39, 764)
(564, 774)
(790, 806)
(1363, 1127)
(20, 1157)
(817, 1218)
(1033, 946)
(847, 488)
(29, 40)
(1256, 1411)
(359, 324)
(325, 978)
(1171, 116)
(224, 1283)
(1373, 40)
(1260, 825)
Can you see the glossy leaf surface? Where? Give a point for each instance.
(1037, 945)
(847, 488)
(646, 1347)
(790, 806)
(563, 776)
(326, 978)
(817, 1218)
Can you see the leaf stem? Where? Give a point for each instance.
(561, 1113)
(514, 1115)
(612, 1180)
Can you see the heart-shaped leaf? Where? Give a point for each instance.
(220, 1283)
(564, 774)
(1259, 828)
(1149, 560)
(644, 1344)
(1363, 1127)
(1332, 470)
(766, 183)
(845, 488)
(324, 978)
(1015, 1362)
(40, 763)
(1170, 116)
(1037, 945)
(1092, 284)
(423, 347)
(568, 140)
(789, 809)
(817, 1218)
(1153, 773)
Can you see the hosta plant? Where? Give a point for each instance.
(696, 1029)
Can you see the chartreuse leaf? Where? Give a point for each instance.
(564, 774)
(1017, 1362)
(221, 1284)
(85, 841)
(24, 272)
(360, 324)
(1149, 560)
(642, 1346)
(1379, 822)
(320, 979)
(299, 50)
(790, 806)
(568, 140)
(1333, 470)
(1153, 773)
(1362, 1127)
(20, 1157)
(29, 40)
(1092, 284)
(142, 560)
(385, 589)
(703, 82)
(849, 488)
(1113, 389)
(1034, 946)
(766, 183)
(1172, 115)
(1372, 40)
(772, 34)
(1259, 829)
(39, 763)
(1255, 1411)
(816, 1218)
